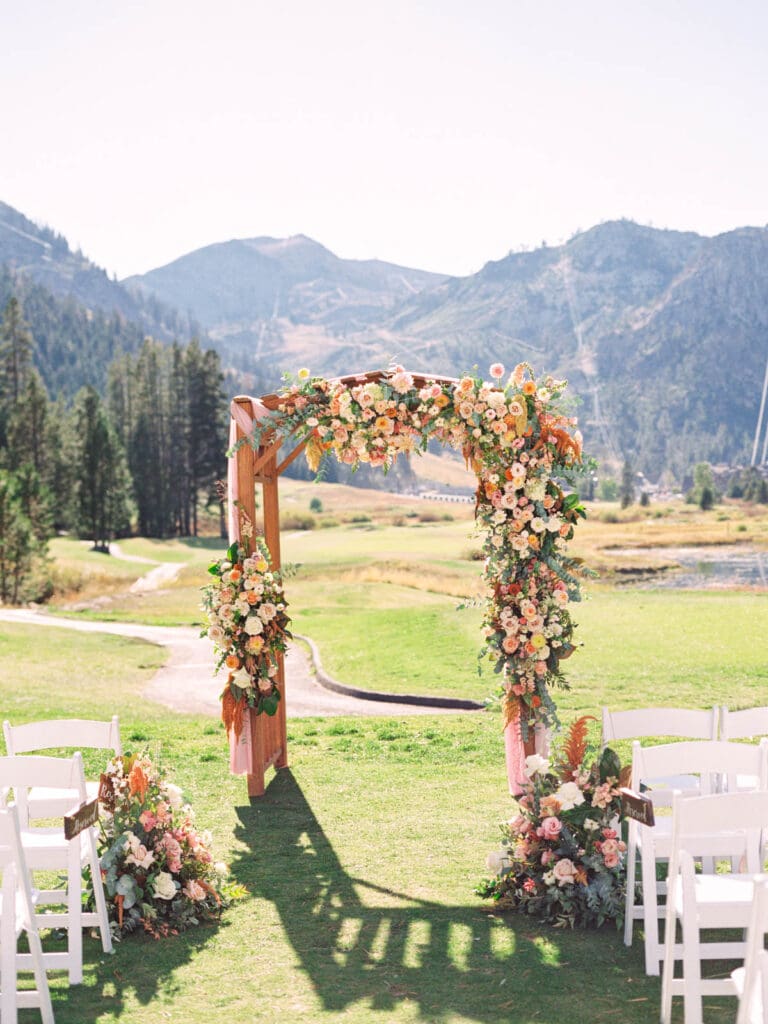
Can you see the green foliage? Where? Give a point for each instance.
(703, 493)
(608, 489)
(749, 484)
(315, 505)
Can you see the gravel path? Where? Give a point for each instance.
(186, 683)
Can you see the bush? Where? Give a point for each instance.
(315, 505)
(297, 521)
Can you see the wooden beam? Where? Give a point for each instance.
(289, 459)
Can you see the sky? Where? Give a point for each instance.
(437, 134)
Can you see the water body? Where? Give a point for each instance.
(716, 566)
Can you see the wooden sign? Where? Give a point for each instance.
(80, 818)
(636, 806)
(106, 793)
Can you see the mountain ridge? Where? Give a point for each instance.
(641, 320)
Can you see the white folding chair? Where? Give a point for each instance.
(748, 723)
(652, 767)
(751, 980)
(679, 723)
(697, 901)
(17, 915)
(78, 733)
(47, 849)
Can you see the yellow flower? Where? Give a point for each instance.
(538, 640)
(303, 373)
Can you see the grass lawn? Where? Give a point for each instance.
(360, 863)
(361, 858)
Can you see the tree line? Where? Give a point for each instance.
(145, 454)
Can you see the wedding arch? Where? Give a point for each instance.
(524, 449)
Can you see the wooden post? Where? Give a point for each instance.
(268, 735)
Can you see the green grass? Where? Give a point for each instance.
(360, 862)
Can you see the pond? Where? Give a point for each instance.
(700, 567)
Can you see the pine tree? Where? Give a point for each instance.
(17, 542)
(627, 490)
(16, 348)
(102, 480)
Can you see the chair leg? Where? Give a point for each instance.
(41, 978)
(98, 893)
(692, 1002)
(650, 910)
(8, 940)
(629, 902)
(74, 914)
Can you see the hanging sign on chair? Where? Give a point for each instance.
(80, 818)
(636, 806)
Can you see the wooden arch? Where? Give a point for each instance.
(264, 466)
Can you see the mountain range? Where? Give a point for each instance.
(662, 334)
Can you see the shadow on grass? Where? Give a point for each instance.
(360, 943)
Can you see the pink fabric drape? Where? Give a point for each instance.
(515, 752)
(240, 747)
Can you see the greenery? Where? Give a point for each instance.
(153, 450)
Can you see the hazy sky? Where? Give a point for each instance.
(433, 133)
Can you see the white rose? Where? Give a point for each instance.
(174, 795)
(215, 633)
(569, 795)
(242, 606)
(591, 825)
(164, 887)
(253, 625)
(242, 678)
(535, 764)
(267, 611)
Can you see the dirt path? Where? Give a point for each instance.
(186, 682)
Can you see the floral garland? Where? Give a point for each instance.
(520, 444)
(158, 870)
(247, 621)
(562, 856)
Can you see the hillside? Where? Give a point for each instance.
(261, 296)
(32, 253)
(641, 321)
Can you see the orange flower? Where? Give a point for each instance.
(252, 597)
(441, 401)
(235, 573)
(138, 782)
(529, 388)
(232, 661)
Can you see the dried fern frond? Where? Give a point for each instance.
(575, 746)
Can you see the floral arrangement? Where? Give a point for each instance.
(523, 448)
(562, 855)
(247, 621)
(158, 870)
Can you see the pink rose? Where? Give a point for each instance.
(148, 820)
(497, 370)
(611, 859)
(549, 828)
(529, 885)
(546, 857)
(564, 872)
(609, 833)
